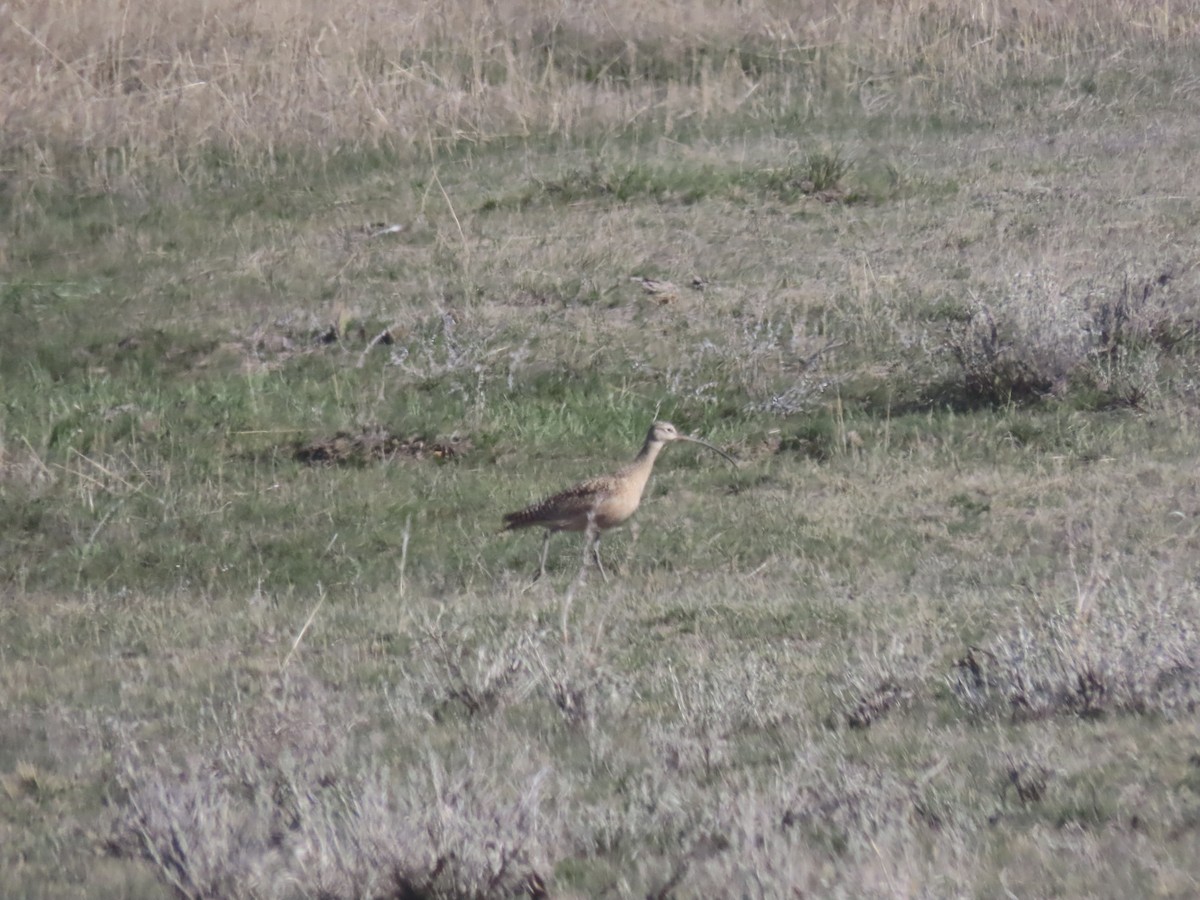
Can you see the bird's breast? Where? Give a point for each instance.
(612, 511)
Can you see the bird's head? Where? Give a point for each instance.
(665, 433)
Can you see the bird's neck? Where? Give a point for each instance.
(638, 471)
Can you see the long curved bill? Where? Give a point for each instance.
(692, 440)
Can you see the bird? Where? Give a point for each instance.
(599, 504)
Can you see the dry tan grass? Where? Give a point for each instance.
(105, 89)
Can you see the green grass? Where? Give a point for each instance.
(821, 173)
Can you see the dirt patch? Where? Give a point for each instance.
(376, 444)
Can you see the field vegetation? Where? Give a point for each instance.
(298, 298)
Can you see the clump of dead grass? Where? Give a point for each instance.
(1036, 337)
(820, 827)
(1023, 344)
(241, 828)
(1127, 652)
(478, 674)
(281, 807)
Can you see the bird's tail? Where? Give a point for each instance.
(522, 518)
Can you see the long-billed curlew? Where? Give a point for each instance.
(599, 504)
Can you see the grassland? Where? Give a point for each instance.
(299, 298)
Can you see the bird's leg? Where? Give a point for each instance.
(591, 545)
(545, 551)
(634, 530)
(596, 556)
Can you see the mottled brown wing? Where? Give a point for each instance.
(565, 511)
